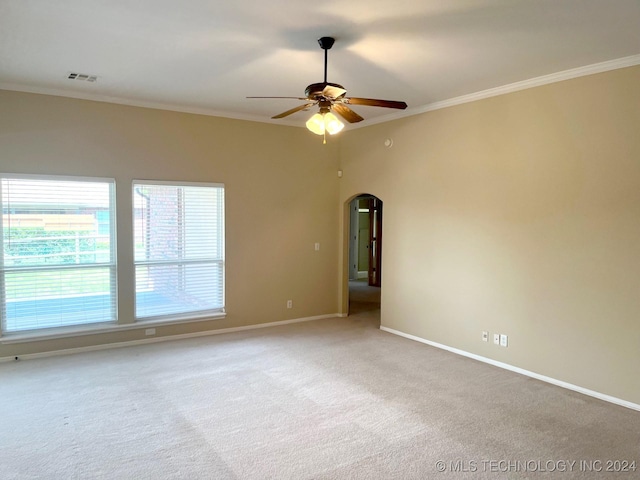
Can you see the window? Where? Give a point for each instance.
(58, 252)
(179, 249)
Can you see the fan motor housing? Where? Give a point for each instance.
(314, 91)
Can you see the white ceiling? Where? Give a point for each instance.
(206, 56)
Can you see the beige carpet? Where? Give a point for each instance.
(329, 399)
(362, 297)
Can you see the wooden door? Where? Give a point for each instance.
(375, 242)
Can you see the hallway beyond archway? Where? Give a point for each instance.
(364, 255)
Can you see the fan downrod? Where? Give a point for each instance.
(326, 43)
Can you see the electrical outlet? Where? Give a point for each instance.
(317, 246)
(485, 336)
(496, 338)
(150, 331)
(504, 340)
(289, 303)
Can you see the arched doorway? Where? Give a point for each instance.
(364, 255)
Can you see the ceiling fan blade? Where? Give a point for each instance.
(372, 102)
(293, 110)
(331, 91)
(346, 113)
(294, 98)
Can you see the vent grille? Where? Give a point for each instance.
(84, 77)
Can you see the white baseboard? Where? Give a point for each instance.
(167, 338)
(506, 366)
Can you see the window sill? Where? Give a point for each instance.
(81, 330)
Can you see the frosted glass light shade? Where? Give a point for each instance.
(319, 123)
(332, 124)
(316, 124)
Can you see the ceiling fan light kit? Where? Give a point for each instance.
(323, 123)
(330, 97)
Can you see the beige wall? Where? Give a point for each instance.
(518, 214)
(281, 197)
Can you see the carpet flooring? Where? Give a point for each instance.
(363, 298)
(328, 399)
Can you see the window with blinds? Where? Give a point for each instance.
(58, 263)
(179, 249)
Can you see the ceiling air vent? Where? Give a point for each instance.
(83, 77)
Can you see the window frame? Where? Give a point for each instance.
(111, 265)
(193, 315)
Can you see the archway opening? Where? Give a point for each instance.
(365, 256)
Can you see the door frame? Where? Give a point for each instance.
(346, 233)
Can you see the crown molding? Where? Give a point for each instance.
(601, 67)
(59, 92)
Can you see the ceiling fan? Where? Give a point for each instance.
(331, 97)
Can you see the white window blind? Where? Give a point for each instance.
(58, 257)
(179, 249)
